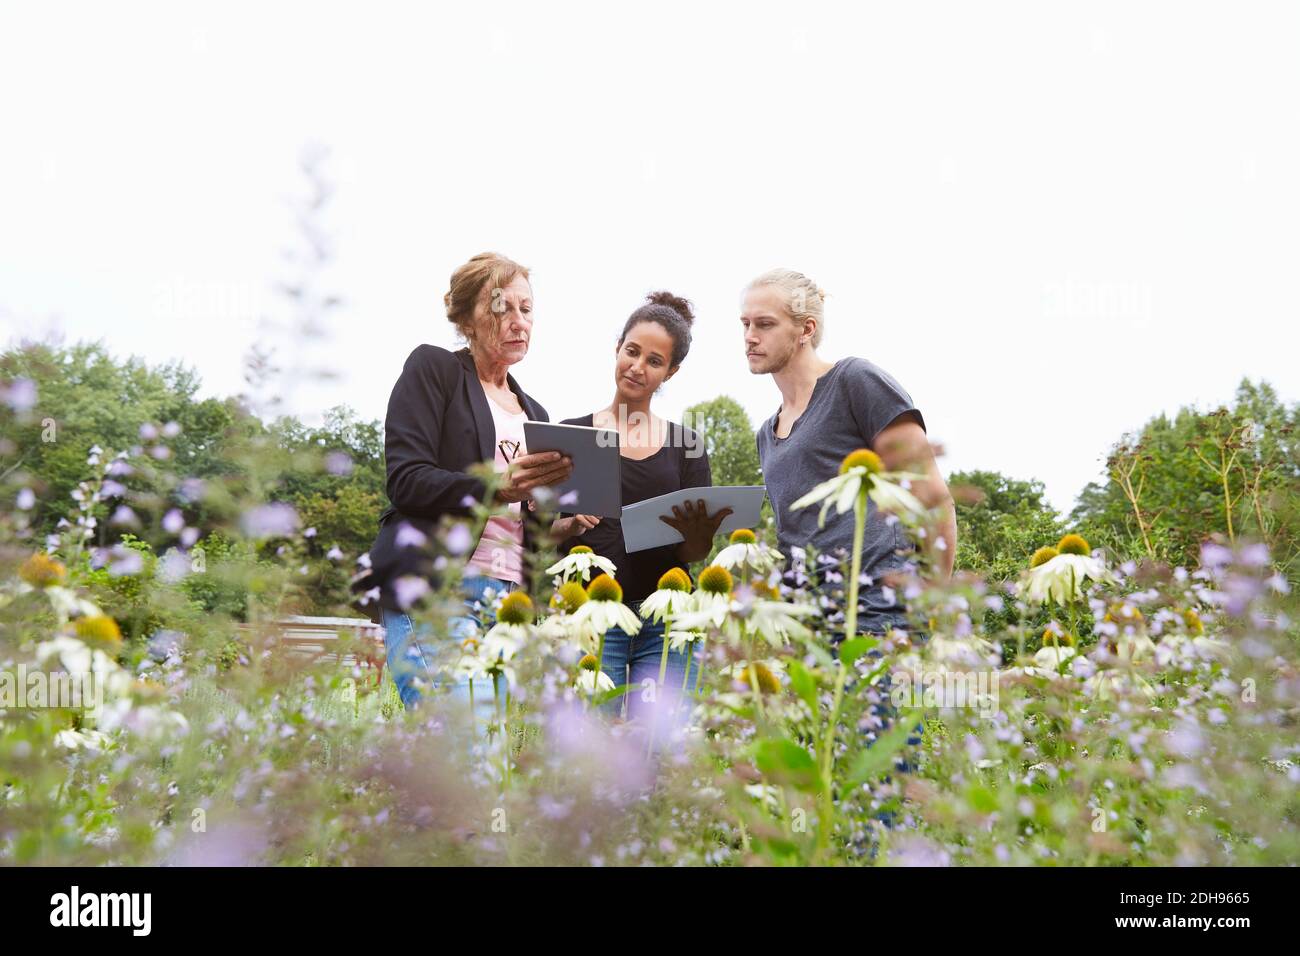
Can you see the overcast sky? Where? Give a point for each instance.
(1048, 221)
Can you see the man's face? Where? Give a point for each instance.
(771, 336)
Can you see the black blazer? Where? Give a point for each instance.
(438, 425)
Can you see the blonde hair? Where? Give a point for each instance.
(803, 299)
(485, 270)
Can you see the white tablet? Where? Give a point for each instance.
(642, 528)
(596, 485)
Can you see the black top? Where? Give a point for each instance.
(438, 424)
(669, 469)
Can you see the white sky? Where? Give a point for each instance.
(1048, 221)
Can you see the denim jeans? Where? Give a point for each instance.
(415, 654)
(635, 660)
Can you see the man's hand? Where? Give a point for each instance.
(903, 446)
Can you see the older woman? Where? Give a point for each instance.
(449, 411)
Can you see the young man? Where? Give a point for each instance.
(829, 409)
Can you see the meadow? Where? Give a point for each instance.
(1118, 686)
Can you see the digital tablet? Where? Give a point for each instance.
(596, 485)
(642, 528)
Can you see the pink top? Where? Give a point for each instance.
(500, 550)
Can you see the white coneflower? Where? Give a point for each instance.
(745, 551)
(1060, 576)
(864, 469)
(604, 607)
(672, 597)
(510, 631)
(577, 564)
(712, 604)
(776, 621)
(590, 679)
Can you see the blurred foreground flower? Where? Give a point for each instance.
(579, 562)
(863, 469)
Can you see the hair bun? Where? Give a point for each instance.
(675, 302)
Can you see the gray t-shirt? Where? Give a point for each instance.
(849, 406)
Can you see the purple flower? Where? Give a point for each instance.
(173, 521)
(124, 516)
(165, 643)
(334, 554)
(26, 498)
(338, 463)
(270, 520)
(125, 561)
(408, 589)
(112, 489)
(175, 564)
(459, 539)
(191, 490)
(20, 395)
(188, 537)
(410, 537)
(918, 851)
(171, 430)
(1254, 555)
(148, 431)
(309, 533)
(1215, 555)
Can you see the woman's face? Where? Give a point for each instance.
(643, 361)
(504, 320)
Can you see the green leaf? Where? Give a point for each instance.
(855, 647)
(878, 758)
(981, 798)
(609, 695)
(784, 761)
(803, 683)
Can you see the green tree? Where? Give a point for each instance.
(1001, 521)
(1230, 471)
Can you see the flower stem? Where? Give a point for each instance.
(826, 817)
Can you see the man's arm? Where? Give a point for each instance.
(903, 446)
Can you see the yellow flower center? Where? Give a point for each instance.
(1051, 637)
(570, 597)
(1074, 544)
(1193, 621)
(863, 458)
(767, 682)
(1042, 556)
(516, 608)
(1121, 613)
(743, 536)
(41, 570)
(580, 549)
(715, 580)
(604, 588)
(675, 579)
(588, 662)
(99, 629)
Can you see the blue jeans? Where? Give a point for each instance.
(635, 660)
(415, 655)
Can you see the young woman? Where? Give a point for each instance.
(658, 457)
(449, 411)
